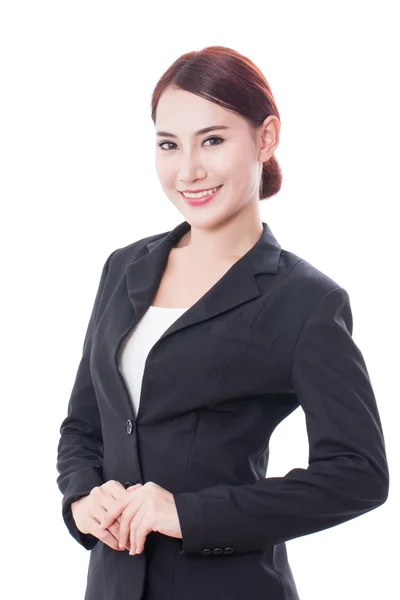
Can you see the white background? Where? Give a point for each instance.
(78, 180)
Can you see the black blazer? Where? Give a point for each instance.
(274, 333)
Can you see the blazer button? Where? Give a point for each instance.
(128, 484)
(217, 551)
(129, 426)
(206, 551)
(228, 550)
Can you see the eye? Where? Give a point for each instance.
(161, 144)
(214, 138)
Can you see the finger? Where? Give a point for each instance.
(113, 488)
(114, 530)
(142, 531)
(118, 508)
(112, 494)
(106, 537)
(121, 546)
(114, 510)
(133, 487)
(96, 511)
(135, 523)
(111, 538)
(139, 508)
(102, 502)
(128, 543)
(125, 521)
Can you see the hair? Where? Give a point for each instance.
(224, 76)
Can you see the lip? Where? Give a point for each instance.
(197, 191)
(200, 201)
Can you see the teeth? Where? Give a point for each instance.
(201, 194)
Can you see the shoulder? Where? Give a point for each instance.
(306, 283)
(306, 294)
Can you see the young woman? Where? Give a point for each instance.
(201, 341)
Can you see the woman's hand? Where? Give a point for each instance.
(90, 510)
(150, 508)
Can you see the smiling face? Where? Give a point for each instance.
(228, 157)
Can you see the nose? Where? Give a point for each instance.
(190, 170)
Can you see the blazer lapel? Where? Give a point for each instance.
(236, 286)
(138, 285)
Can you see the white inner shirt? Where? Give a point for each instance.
(137, 345)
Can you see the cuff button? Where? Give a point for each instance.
(206, 551)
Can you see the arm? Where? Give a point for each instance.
(80, 448)
(347, 474)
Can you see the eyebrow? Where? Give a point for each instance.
(199, 132)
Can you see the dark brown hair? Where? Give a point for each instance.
(224, 76)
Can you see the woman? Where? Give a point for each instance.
(201, 341)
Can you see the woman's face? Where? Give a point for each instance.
(229, 157)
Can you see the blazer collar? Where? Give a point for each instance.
(236, 286)
(264, 255)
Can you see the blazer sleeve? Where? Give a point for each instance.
(80, 447)
(347, 474)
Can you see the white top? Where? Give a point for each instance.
(137, 345)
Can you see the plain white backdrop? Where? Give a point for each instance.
(78, 180)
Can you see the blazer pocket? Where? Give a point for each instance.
(265, 338)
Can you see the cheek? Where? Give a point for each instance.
(165, 174)
(233, 164)
(222, 167)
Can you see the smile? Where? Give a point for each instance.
(201, 198)
(200, 194)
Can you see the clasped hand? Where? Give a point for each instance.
(143, 509)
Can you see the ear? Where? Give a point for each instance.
(269, 135)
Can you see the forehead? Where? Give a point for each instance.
(179, 112)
